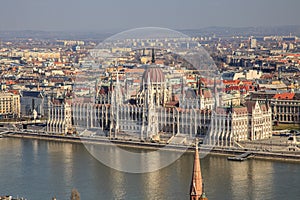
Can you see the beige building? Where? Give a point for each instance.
(248, 75)
(9, 105)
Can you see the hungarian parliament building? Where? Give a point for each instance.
(153, 114)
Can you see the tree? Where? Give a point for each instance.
(75, 195)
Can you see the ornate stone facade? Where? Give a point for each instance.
(60, 118)
(223, 126)
(232, 124)
(147, 117)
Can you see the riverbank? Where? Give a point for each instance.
(257, 154)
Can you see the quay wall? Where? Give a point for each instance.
(288, 156)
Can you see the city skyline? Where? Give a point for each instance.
(149, 99)
(119, 15)
(122, 115)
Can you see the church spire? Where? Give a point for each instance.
(196, 184)
(153, 57)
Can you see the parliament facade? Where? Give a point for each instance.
(153, 114)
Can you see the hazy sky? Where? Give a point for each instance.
(103, 15)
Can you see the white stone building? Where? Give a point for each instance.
(60, 118)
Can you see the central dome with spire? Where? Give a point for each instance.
(153, 72)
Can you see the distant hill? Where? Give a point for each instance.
(245, 31)
(208, 31)
(53, 35)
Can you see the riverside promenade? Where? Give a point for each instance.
(259, 151)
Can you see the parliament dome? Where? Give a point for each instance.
(155, 74)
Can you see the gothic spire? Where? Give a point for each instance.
(196, 184)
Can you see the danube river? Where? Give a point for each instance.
(39, 170)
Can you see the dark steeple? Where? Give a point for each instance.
(153, 57)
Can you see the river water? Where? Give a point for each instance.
(40, 170)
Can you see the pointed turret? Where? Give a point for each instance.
(215, 93)
(196, 184)
(267, 102)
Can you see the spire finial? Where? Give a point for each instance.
(153, 56)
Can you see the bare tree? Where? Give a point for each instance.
(75, 195)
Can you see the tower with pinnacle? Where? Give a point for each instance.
(197, 189)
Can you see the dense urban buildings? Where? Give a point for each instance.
(152, 113)
(132, 93)
(231, 94)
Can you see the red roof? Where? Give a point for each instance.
(287, 95)
(14, 91)
(231, 82)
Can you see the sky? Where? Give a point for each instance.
(107, 15)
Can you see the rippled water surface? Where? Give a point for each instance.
(39, 170)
